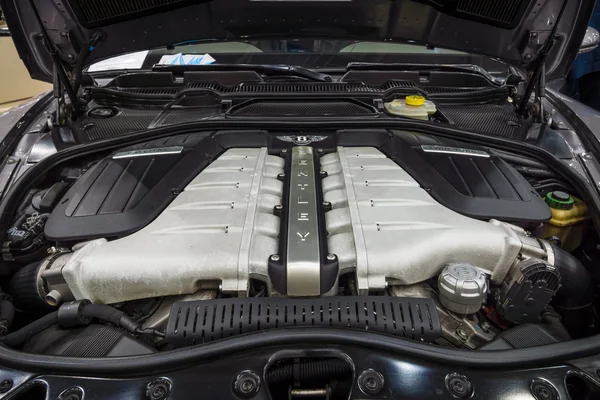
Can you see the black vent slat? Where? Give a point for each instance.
(301, 109)
(503, 11)
(96, 11)
(209, 320)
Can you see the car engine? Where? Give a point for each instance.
(176, 224)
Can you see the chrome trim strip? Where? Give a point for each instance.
(303, 252)
(148, 152)
(432, 148)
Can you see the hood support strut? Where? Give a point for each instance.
(60, 70)
(535, 77)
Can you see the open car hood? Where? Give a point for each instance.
(514, 31)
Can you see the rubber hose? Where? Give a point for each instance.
(110, 314)
(19, 337)
(7, 313)
(575, 297)
(24, 288)
(308, 371)
(577, 289)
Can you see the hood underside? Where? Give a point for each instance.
(514, 31)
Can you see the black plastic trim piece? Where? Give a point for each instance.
(203, 321)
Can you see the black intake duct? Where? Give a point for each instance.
(196, 322)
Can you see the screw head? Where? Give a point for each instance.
(459, 386)
(371, 382)
(323, 174)
(331, 257)
(6, 385)
(158, 389)
(587, 156)
(284, 151)
(246, 384)
(274, 257)
(461, 334)
(279, 207)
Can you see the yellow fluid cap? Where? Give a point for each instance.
(415, 100)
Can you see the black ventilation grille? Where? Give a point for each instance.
(490, 119)
(196, 322)
(336, 87)
(96, 12)
(286, 109)
(313, 88)
(503, 11)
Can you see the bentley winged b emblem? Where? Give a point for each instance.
(301, 140)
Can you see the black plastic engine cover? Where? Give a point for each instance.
(467, 178)
(195, 322)
(126, 191)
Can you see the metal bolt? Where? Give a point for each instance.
(5, 385)
(371, 382)
(11, 160)
(327, 204)
(283, 151)
(323, 174)
(274, 257)
(52, 250)
(279, 207)
(331, 257)
(485, 326)
(246, 385)
(280, 176)
(158, 389)
(320, 151)
(461, 334)
(587, 156)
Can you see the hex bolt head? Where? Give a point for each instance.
(461, 334)
(331, 257)
(274, 257)
(459, 386)
(371, 382)
(5, 385)
(158, 389)
(246, 384)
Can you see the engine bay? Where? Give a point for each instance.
(197, 237)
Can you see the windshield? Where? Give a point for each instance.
(309, 53)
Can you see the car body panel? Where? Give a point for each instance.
(515, 35)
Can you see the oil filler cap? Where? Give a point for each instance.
(560, 200)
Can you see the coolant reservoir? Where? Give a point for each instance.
(411, 107)
(569, 219)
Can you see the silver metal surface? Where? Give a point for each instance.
(149, 152)
(389, 230)
(205, 238)
(302, 253)
(432, 148)
(459, 330)
(462, 288)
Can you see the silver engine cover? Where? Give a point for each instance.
(219, 231)
(389, 230)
